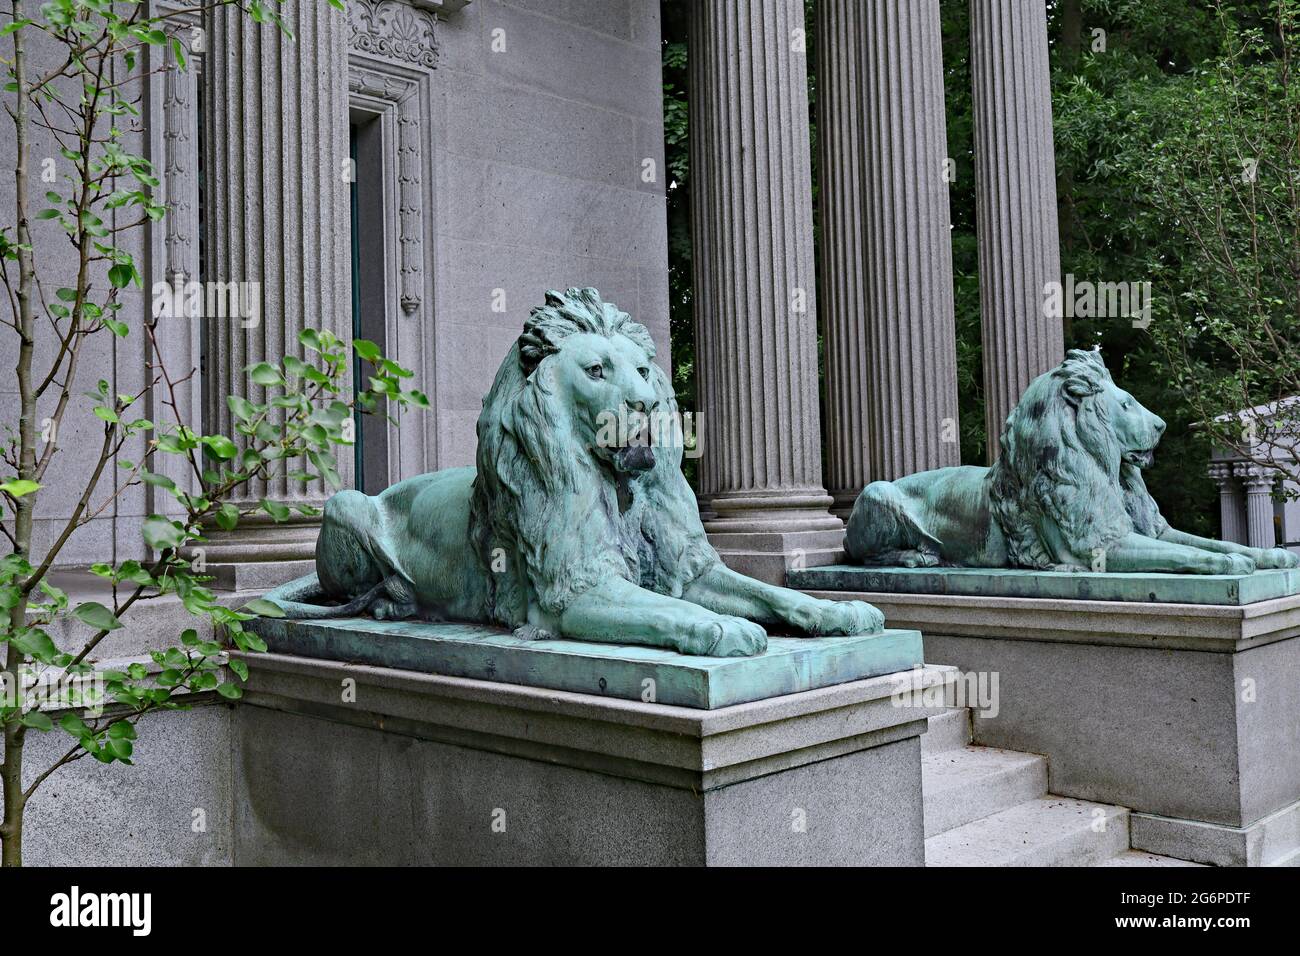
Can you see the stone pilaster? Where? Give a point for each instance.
(1258, 482)
(276, 114)
(1015, 185)
(1232, 511)
(755, 299)
(908, 399)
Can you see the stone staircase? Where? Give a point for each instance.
(988, 807)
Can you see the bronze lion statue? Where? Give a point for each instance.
(575, 522)
(1066, 494)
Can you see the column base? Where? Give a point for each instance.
(767, 556)
(780, 512)
(1272, 841)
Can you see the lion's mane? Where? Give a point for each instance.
(1060, 490)
(529, 458)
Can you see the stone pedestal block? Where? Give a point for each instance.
(1185, 713)
(353, 764)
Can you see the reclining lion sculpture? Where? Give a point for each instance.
(1066, 494)
(573, 524)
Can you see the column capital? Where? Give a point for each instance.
(1222, 473)
(1258, 479)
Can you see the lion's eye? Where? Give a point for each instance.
(645, 373)
(596, 371)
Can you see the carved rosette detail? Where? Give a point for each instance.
(393, 29)
(410, 205)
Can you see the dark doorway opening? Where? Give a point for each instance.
(369, 311)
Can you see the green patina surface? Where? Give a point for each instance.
(1083, 586)
(788, 666)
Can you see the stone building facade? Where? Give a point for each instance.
(420, 171)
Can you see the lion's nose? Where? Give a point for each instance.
(640, 406)
(1159, 425)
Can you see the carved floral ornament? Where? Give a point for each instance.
(394, 29)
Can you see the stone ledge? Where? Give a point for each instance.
(1155, 588)
(790, 665)
(678, 747)
(1218, 628)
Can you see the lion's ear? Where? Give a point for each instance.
(1076, 388)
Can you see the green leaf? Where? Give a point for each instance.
(97, 616)
(74, 725)
(122, 730)
(18, 487)
(227, 517)
(121, 276)
(230, 691)
(263, 607)
(240, 668)
(37, 721)
(220, 447)
(275, 509)
(366, 349)
(241, 408)
(264, 373)
(36, 644)
(161, 533)
(178, 52)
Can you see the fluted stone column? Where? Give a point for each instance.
(1015, 186)
(1259, 482)
(842, 278)
(276, 123)
(755, 299)
(1232, 511)
(907, 327)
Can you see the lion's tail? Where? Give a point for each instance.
(300, 599)
(882, 531)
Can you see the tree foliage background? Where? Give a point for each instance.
(1156, 105)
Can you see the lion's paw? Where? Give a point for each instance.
(1232, 564)
(842, 618)
(724, 636)
(1277, 558)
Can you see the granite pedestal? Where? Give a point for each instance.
(1174, 695)
(339, 762)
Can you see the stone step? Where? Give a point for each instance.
(1142, 858)
(1290, 859)
(1049, 831)
(948, 730)
(970, 783)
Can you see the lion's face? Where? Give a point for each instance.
(606, 382)
(1137, 429)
